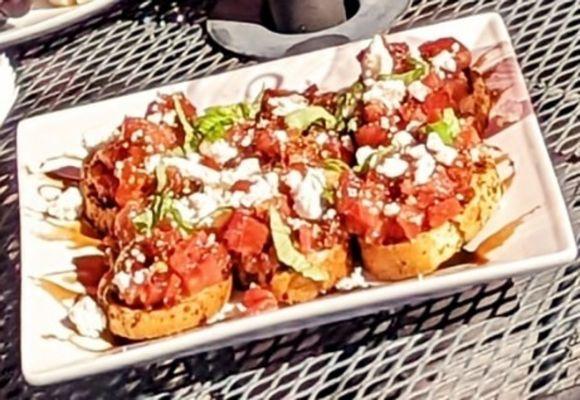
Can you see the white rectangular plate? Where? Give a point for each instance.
(43, 18)
(545, 239)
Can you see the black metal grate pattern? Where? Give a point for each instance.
(507, 339)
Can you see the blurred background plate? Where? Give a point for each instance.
(44, 17)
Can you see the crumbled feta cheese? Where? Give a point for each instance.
(418, 90)
(347, 142)
(67, 206)
(377, 59)
(190, 167)
(455, 47)
(392, 167)
(138, 134)
(155, 118)
(354, 281)
(281, 136)
(413, 125)
(444, 61)
(402, 139)
(330, 214)
(263, 188)
(391, 209)
(283, 106)
(140, 276)
(169, 117)
(363, 153)
(308, 194)
(220, 151)
(385, 123)
(122, 280)
(424, 168)
(351, 192)
(293, 179)
(322, 138)
(417, 151)
(443, 154)
(248, 139)
(150, 164)
(389, 92)
(88, 318)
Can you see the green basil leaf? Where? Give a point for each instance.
(287, 253)
(302, 119)
(447, 128)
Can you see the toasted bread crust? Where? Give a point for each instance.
(191, 312)
(424, 253)
(291, 287)
(100, 217)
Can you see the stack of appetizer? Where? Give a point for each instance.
(267, 196)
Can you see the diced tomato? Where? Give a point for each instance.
(186, 255)
(173, 290)
(443, 211)
(467, 138)
(391, 231)
(245, 234)
(373, 112)
(457, 89)
(432, 80)
(158, 136)
(358, 218)
(242, 186)
(153, 292)
(123, 228)
(266, 143)
(258, 300)
(411, 110)
(305, 239)
(370, 135)
(400, 53)
(133, 185)
(431, 49)
(260, 264)
(410, 220)
(434, 104)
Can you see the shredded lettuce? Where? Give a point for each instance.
(192, 140)
(288, 254)
(302, 119)
(335, 164)
(420, 69)
(163, 206)
(447, 128)
(346, 106)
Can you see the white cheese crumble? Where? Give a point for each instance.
(322, 138)
(67, 206)
(402, 139)
(354, 281)
(377, 59)
(417, 151)
(281, 136)
(308, 194)
(418, 90)
(424, 168)
(347, 142)
(391, 209)
(392, 167)
(413, 125)
(88, 318)
(248, 139)
(220, 151)
(444, 154)
(389, 92)
(285, 105)
(155, 118)
(444, 61)
(363, 153)
(122, 280)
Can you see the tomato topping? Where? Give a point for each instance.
(241, 186)
(371, 135)
(412, 110)
(467, 138)
(258, 300)
(123, 228)
(442, 212)
(431, 49)
(434, 104)
(173, 290)
(410, 220)
(305, 239)
(358, 218)
(245, 235)
(457, 89)
(433, 81)
(266, 143)
(133, 185)
(373, 112)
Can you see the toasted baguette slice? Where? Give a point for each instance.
(424, 253)
(191, 312)
(290, 287)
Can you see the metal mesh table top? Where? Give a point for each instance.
(516, 338)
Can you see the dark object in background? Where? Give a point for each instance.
(293, 16)
(13, 9)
